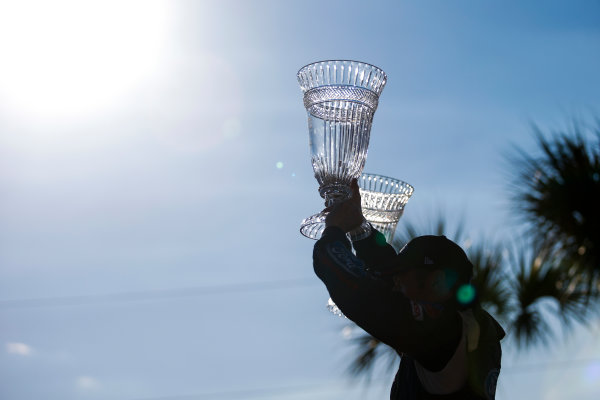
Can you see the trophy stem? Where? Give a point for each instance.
(334, 193)
(313, 226)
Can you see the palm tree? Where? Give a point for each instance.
(541, 286)
(557, 193)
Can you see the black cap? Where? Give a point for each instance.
(434, 252)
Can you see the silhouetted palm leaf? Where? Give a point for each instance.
(558, 193)
(575, 302)
(540, 280)
(370, 350)
(439, 226)
(534, 280)
(490, 279)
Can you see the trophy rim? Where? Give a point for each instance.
(343, 60)
(396, 180)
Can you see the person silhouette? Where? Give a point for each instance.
(418, 301)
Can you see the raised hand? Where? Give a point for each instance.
(347, 214)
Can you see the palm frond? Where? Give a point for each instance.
(539, 279)
(437, 226)
(365, 359)
(369, 352)
(530, 328)
(489, 279)
(557, 193)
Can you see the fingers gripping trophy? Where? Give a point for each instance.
(340, 97)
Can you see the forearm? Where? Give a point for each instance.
(335, 264)
(367, 301)
(375, 251)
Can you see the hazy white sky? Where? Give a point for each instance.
(154, 168)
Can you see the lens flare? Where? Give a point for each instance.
(465, 294)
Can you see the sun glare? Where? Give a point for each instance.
(66, 57)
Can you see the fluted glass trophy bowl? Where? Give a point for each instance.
(340, 97)
(382, 200)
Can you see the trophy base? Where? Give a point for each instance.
(313, 227)
(334, 309)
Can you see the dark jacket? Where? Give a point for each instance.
(363, 291)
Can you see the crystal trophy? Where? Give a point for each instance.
(340, 98)
(382, 200)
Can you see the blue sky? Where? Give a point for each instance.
(149, 244)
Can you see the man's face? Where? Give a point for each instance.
(426, 285)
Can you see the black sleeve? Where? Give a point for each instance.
(368, 301)
(375, 251)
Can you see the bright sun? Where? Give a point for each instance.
(69, 57)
